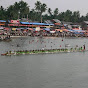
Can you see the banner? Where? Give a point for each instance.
(14, 21)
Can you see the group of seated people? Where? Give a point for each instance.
(45, 50)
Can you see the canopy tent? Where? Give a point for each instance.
(48, 22)
(52, 32)
(2, 21)
(70, 30)
(1, 28)
(31, 29)
(18, 29)
(47, 29)
(32, 23)
(81, 33)
(13, 29)
(37, 29)
(25, 31)
(40, 24)
(25, 23)
(86, 30)
(6, 28)
(57, 23)
(57, 29)
(76, 31)
(65, 30)
(79, 30)
(14, 21)
(61, 30)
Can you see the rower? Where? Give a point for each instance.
(18, 45)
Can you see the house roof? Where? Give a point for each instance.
(68, 23)
(30, 23)
(86, 22)
(24, 22)
(2, 21)
(48, 22)
(56, 20)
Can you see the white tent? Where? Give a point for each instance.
(52, 32)
(37, 29)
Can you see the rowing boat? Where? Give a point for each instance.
(45, 51)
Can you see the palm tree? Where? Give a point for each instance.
(50, 11)
(43, 9)
(56, 12)
(20, 9)
(68, 16)
(40, 8)
(23, 8)
(2, 12)
(76, 16)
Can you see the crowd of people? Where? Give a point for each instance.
(43, 33)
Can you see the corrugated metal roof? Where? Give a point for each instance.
(2, 21)
(30, 23)
(47, 29)
(24, 22)
(68, 23)
(37, 23)
(40, 24)
(86, 22)
(56, 20)
(48, 22)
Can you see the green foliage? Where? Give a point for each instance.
(76, 16)
(34, 16)
(40, 8)
(50, 11)
(68, 16)
(2, 13)
(56, 12)
(21, 10)
(18, 10)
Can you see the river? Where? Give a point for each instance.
(62, 70)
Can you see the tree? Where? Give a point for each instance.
(20, 9)
(68, 15)
(56, 12)
(50, 11)
(40, 8)
(33, 15)
(10, 12)
(2, 13)
(61, 16)
(76, 16)
(82, 18)
(86, 16)
(23, 9)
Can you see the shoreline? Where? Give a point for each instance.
(48, 36)
(17, 36)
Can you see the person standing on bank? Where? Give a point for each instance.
(84, 46)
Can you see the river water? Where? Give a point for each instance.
(62, 70)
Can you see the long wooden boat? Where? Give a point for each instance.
(45, 51)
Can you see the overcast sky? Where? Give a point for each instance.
(62, 5)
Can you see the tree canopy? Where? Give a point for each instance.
(21, 10)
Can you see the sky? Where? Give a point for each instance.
(62, 5)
